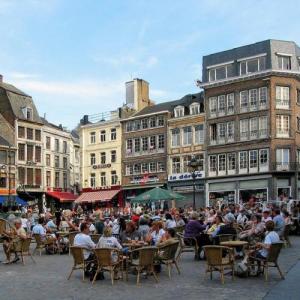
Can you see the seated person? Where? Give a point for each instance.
(218, 221)
(170, 223)
(279, 222)
(83, 240)
(168, 238)
(51, 226)
(156, 232)
(12, 240)
(130, 233)
(143, 228)
(263, 248)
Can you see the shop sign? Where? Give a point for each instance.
(185, 176)
(101, 166)
(144, 179)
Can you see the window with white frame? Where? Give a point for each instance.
(152, 122)
(213, 105)
(263, 97)
(129, 146)
(253, 65)
(282, 157)
(103, 178)
(137, 145)
(92, 180)
(195, 109)
(160, 121)
(186, 163)
(282, 126)
(129, 169)
(137, 169)
(243, 160)
(152, 167)
(92, 137)
(176, 165)
(113, 134)
(129, 126)
(253, 122)
(93, 159)
(244, 129)
(187, 135)
(221, 131)
(231, 161)
(284, 62)
(144, 123)
(253, 162)
(243, 101)
(230, 103)
(220, 72)
(152, 141)
(199, 134)
(222, 162)
(175, 136)
(144, 168)
(145, 143)
(200, 159)
(221, 104)
(282, 97)
(179, 111)
(230, 131)
(114, 177)
(263, 158)
(29, 113)
(103, 158)
(113, 156)
(212, 163)
(102, 136)
(161, 141)
(263, 126)
(253, 96)
(161, 167)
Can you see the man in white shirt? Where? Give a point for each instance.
(83, 240)
(266, 216)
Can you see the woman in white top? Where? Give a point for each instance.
(170, 223)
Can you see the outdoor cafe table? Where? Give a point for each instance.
(234, 244)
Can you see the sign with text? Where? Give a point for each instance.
(185, 176)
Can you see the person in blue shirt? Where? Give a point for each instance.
(279, 222)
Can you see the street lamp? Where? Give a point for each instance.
(194, 164)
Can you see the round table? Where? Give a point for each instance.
(234, 244)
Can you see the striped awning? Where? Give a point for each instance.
(98, 196)
(62, 196)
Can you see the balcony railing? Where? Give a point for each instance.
(285, 166)
(282, 104)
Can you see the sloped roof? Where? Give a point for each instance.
(4, 142)
(170, 105)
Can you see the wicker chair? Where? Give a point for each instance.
(95, 237)
(216, 261)
(71, 237)
(40, 245)
(79, 262)
(225, 237)
(167, 256)
(179, 229)
(24, 250)
(4, 225)
(145, 260)
(270, 261)
(192, 245)
(106, 263)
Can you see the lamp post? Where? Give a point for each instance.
(194, 164)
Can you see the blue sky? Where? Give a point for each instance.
(74, 56)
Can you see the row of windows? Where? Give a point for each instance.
(250, 100)
(103, 136)
(181, 164)
(103, 157)
(145, 144)
(57, 179)
(194, 109)
(103, 179)
(4, 182)
(30, 176)
(56, 161)
(246, 66)
(146, 123)
(33, 153)
(7, 157)
(145, 168)
(187, 135)
(57, 145)
(29, 133)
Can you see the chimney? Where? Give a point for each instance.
(1, 78)
(137, 94)
(84, 120)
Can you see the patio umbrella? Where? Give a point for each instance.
(157, 194)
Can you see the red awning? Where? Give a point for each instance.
(97, 196)
(62, 196)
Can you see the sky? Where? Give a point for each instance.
(74, 56)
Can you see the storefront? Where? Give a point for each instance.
(283, 188)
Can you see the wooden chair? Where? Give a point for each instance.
(40, 245)
(286, 236)
(167, 256)
(190, 246)
(78, 259)
(217, 262)
(71, 237)
(95, 238)
(24, 250)
(4, 225)
(270, 261)
(179, 229)
(145, 260)
(105, 262)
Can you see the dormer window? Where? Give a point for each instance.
(220, 71)
(252, 64)
(27, 112)
(284, 61)
(195, 109)
(179, 111)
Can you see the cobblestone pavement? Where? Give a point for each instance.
(47, 280)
